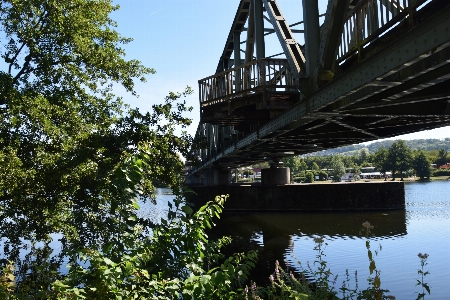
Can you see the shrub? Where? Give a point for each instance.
(322, 175)
(441, 172)
(309, 177)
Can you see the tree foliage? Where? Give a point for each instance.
(60, 137)
(315, 167)
(363, 155)
(295, 164)
(442, 157)
(337, 168)
(64, 134)
(321, 175)
(399, 158)
(417, 144)
(309, 177)
(421, 165)
(175, 260)
(380, 160)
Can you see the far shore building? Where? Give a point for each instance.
(372, 173)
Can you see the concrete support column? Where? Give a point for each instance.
(312, 32)
(215, 177)
(193, 180)
(259, 29)
(275, 176)
(224, 177)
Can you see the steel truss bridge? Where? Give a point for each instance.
(368, 69)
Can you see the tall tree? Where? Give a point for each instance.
(315, 167)
(442, 157)
(63, 132)
(399, 158)
(303, 167)
(73, 164)
(293, 162)
(380, 160)
(421, 165)
(337, 168)
(363, 155)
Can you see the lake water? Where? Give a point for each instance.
(288, 237)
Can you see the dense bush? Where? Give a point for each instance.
(441, 172)
(309, 177)
(322, 175)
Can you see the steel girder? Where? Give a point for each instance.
(291, 48)
(330, 38)
(238, 24)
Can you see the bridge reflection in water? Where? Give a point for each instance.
(272, 234)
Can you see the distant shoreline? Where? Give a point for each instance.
(405, 179)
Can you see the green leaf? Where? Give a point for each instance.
(372, 266)
(188, 210)
(108, 261)
(128, 266)
(377, 282)
(136, 205)
(58, 283)
(218, 277)
(426, 287)
(203, 208)
(369, 253)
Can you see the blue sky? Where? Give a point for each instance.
(183, 40)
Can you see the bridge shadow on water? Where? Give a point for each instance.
(273, 234)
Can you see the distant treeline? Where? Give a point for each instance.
(398, 158)
(419, 144)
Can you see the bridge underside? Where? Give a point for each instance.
(251, 111)
(397, 84)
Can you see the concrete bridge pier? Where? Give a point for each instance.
(193, 180)
(276, 175)
(214, 176)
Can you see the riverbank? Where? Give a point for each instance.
(406, 179)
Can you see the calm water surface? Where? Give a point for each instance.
(423, 227)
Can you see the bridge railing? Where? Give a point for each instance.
(259, 75)
(369, 19)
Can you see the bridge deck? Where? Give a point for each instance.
(254, 108)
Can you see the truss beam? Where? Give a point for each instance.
(330, 36)
(259, 29)
(291, 48)
(311, 19)
(238, 24)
